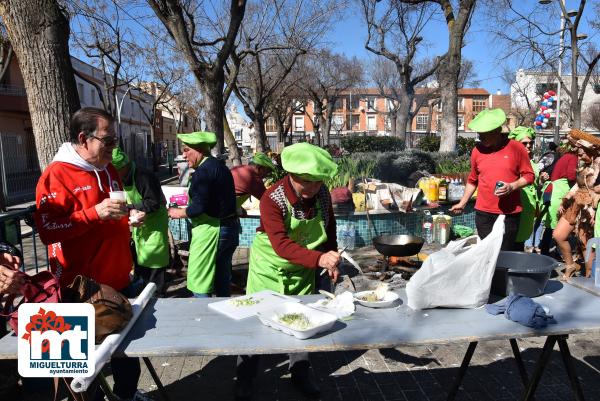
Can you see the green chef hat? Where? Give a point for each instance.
(198, 138)
(488, 120)
(308, 161)
(521, 133)
(261, 159)
(119, 158)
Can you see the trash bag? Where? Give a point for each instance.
(458, 276)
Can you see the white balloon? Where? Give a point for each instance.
(545, 121)
(544, 125)
(549, 110)
(549, 104)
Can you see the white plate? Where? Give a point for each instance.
(320, 321)
(388, 300)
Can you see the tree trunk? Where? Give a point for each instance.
(449, 95)
(229, 138)
(211, 87)
(318, 121)
(327, 126)
(575, 104)
(39, 33)
(393, 123)
(262, 144)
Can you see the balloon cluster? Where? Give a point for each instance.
(545, 110)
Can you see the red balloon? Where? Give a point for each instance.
(547, 96)
(551, 93)
(547, 115)
(538, 123)
(543, 108)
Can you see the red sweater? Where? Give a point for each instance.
(565, 167)
(272, 216)
(506, 164)
(76, 237)
(247, 181)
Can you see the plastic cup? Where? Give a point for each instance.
(118, 195)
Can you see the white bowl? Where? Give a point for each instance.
(388, 300)
(320, 321)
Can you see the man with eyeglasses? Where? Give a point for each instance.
(87, 233)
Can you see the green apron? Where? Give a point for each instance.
(529, 204)
(152, 238)
(268, 270)
(202, 261)
(560, 188)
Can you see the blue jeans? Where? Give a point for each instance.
(229, 238)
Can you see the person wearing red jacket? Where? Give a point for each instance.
(86, 232)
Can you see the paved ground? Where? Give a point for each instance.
(407, 374)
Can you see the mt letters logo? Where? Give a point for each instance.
(56, 340)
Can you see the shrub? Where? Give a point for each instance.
(452, 163)
(356, 144)
(429, 143)
(398, 166)
(464, 146)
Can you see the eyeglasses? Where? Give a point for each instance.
(107, 141)
(527, 143)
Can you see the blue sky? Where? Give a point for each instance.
(349, 35)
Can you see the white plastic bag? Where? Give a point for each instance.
(458, 276)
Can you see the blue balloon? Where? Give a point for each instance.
(539, 118)
(538, 127)
(544, 103)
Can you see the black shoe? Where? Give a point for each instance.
(243, 389)
(304, 381)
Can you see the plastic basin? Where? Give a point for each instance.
(522, 273)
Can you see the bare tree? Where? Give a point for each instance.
(325, 77)
(274, 35)
(395, 34)
(457, 24)
(592, 116)
(205, 48)
(524, 105)
(528, 40)
(39, 33)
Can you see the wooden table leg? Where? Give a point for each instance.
(462, 371)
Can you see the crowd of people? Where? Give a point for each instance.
(552, 199)
(93, 232)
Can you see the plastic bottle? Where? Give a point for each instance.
(433, 189)
(443, 189)
(427, 227)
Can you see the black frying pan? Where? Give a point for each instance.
(398, 245)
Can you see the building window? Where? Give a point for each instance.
(542, 88)
(460, 103)
(271, 127)
(185, 121)
(352, 121)
(132, 108)
(338, 104)
(299, 124)
(238, 135)
(353, 102)
(81, 93)
(479, 103)
(371, 103)
(371, 123)
(438, 124)
(461, 122)
(422, 120)
(93, 96)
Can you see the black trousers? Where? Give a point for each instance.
(485, 221)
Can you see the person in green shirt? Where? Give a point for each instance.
(151, 240)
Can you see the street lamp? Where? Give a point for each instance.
(560, 57)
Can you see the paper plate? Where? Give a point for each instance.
(389, 299)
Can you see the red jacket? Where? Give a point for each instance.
(66, 218)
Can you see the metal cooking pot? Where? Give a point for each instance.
(398, 245)
(522, 273)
